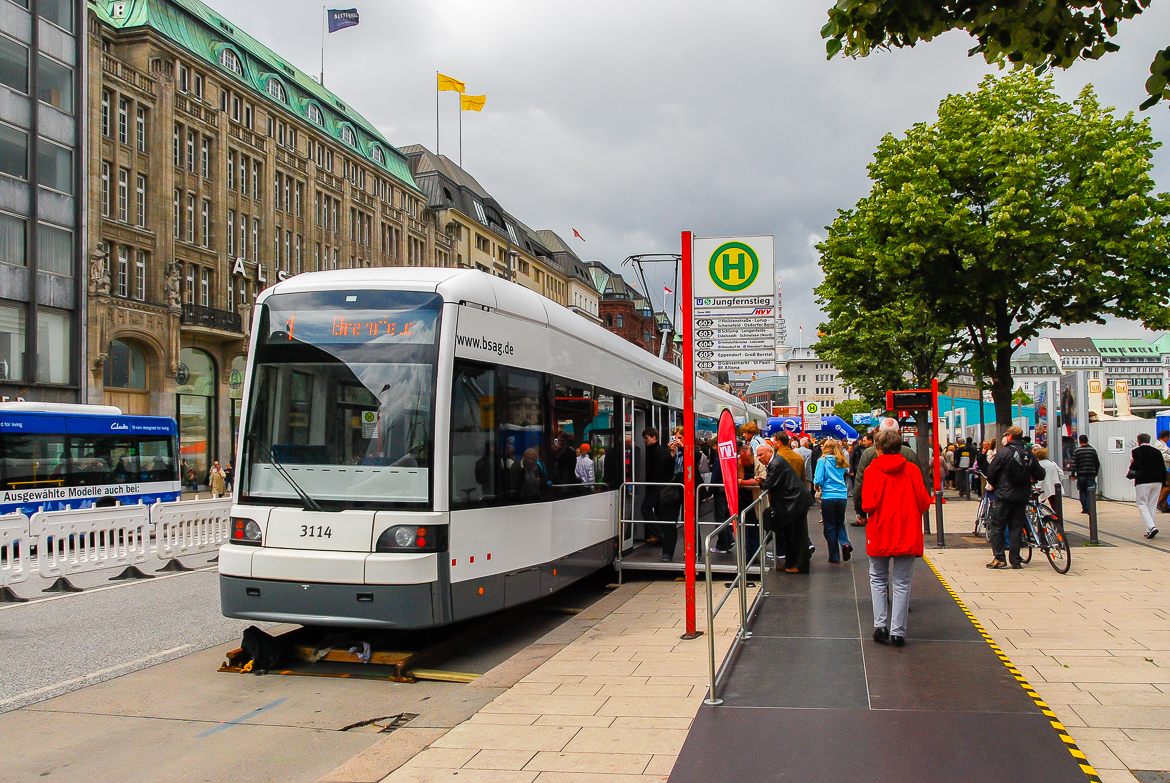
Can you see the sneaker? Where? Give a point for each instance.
(846, 552)
(1152, 533)
(717, 551)
(997, 563)
(1017, 566)
(667, 558)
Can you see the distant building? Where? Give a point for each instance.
(1162, 346)
(583, 297)
(810, 378)
(1134, 361)
(962, 384)
(1072, 354)
(1031, 369)
(627, 312)
(768, 392)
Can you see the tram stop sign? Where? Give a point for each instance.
(734, 304)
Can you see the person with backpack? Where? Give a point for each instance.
(1011, 473)
(1148, 473)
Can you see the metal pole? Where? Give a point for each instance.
(689, 558)
(938, 518)
(1093, 512)
(741, 570)
(1058, 503)
(710, 630)
(324, 14)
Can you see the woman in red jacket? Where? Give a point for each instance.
(895, 498)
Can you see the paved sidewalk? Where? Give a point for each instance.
(1095, 643)
(613, 706)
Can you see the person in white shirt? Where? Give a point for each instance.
(584, 469)
(1053, 475)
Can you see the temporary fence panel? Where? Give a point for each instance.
(82, 540)
(191, 527)
(14, 546)
(1114, 440)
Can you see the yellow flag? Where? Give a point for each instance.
(449, 84)
(472, 102)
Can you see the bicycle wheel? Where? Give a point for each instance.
(1059, 552)
(1025, 549)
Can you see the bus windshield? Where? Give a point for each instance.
(342, 396)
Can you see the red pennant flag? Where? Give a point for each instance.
(578, 235)
(729, 460)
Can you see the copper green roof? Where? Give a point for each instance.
(205, 34)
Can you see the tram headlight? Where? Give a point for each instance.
(412, 538)
(245, 531)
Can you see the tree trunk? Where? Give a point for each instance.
(1001, 389)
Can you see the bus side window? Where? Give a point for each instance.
(32, 461)
(157, 459)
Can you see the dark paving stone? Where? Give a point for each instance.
(829, 746)
(803, 672)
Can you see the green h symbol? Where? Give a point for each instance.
(739, 266)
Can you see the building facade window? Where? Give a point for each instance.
(54, 346)
(347, 136)
(205, 223)
(123, 195)
(13, 152)
(54, 166)
(105, 121)
(125, 366)
(140, 129)
(55, 84)
(140, 201)
(229, 60)
(178, 215)
(205, 157)
(122, 287)
(105, 177)
(54, 250)
(123, 121)
(140, 275)
(12, 240)
(191, 218)
(205, 287)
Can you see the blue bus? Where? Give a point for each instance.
(56, 456)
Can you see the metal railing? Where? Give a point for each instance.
(739, 585)
(622, 521)
(198, 315)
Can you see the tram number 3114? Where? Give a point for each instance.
(320, 531)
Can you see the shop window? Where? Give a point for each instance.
(54, 350)
(55, 84)
(12, 342)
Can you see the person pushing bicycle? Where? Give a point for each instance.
(1011, 474)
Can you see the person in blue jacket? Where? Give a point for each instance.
(829, 478)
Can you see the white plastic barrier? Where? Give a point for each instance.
(90, 539)
(14, 546)
(190, 527)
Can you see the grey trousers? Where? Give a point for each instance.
(879, 590)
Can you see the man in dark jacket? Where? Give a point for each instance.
(1011, 473)
(1086, 465)
(859, 447)
(1149, 473)
(790, 501)
(661, 503)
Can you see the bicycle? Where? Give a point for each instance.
(1041, 531)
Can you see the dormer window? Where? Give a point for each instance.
(479, 213)
(229, 60)
(315, 114)
(276, 90)
(347, 136)
(378, 156)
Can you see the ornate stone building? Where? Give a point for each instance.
(216, 169)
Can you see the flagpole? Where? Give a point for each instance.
(324, 14)
(460, 130)
(436, 113)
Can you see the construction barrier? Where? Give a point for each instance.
(191, 527)
(14, 548)
(79, 541)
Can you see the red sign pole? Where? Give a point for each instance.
(688, 302)
(934, 434)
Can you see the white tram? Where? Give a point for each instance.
(408, 454)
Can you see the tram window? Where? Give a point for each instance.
(522, 434)
(157, 459)
(603, 445)
(34, 461)
(101, 459)
(573, 412)
(477, 465)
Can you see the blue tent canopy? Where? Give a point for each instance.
(831, 426)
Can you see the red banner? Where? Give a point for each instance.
(729, 460)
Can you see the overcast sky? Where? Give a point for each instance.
(634, 120)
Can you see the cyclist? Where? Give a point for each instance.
(1011, 474)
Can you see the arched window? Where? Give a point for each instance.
(276, 90)
(347, 136)
(125, 366)
(378, 155)
(315, 114)
(229, 60)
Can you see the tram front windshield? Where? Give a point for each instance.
(341, 401)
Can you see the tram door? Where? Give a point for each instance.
(642, 418)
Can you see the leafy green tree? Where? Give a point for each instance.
(1021, 398)
(846, 408)
(876, 339)
(1108, 393)
(1040, 34)
(1013, 213)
